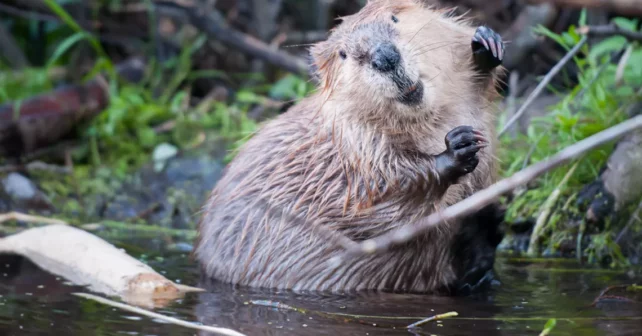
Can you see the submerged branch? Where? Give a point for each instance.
(172, 320)
(490, 194)
(433, 318)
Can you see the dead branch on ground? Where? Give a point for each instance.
(42, 120)
(213, 24)
(610, 30)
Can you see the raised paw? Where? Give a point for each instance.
(460, 157)
(488, 49)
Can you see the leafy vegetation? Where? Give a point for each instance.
(159, 112)
(599, 101)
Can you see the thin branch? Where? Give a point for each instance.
(490, 194)
(622, 7)
(172, 320)
(26, 14)
(610, 30)
(540, 87)
(213, 24)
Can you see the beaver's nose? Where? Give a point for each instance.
(385, 57)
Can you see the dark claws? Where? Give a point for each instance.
(488, 49)
(460, 157)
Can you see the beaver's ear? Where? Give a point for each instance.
(322, 55)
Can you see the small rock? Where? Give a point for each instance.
(19, 187)
(181, 247)
(24, 194)
(162, 153)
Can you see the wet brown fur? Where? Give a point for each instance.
(354, 161)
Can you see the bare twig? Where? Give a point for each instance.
(540, 87)
(490, 194)
(627, 7)
(27, 14)
(610, 30)
(213, 24)
(17, 216)
(432, 318)
(172, 320)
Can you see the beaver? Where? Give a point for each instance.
(401, 126)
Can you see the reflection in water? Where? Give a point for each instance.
(33, 302)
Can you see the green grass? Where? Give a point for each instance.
(596, 103)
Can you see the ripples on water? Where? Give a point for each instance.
(33, 302)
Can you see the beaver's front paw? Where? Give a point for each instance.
(460, 156)
(488, 49)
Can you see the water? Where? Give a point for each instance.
(33, 302)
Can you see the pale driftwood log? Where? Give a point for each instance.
(87, 260)
(488, 195)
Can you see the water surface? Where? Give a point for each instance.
(34, 302)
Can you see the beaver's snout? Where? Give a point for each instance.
(385, 57)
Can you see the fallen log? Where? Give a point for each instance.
(42, 120)
(87, 260)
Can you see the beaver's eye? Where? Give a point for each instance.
(343, 54)
(394, 19)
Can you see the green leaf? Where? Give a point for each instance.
(147, 136)
(626, 24)
(285, 88)
(245, 96)
(68, 20)
(582, 21)
(65, 46)
(540, 29)
(607, 46)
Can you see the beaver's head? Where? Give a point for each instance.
(390, 54)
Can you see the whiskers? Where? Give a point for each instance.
(435, 46)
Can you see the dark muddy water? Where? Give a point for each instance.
(33, 302)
